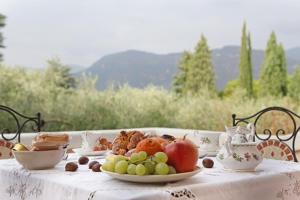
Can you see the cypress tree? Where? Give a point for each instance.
(200, 74)
(273, 76)
(179, 83)
(283, 78)
(245, 77)
(250, 65)
(294, 86)
(2, 24)
(271, 45)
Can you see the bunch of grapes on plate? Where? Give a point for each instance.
(139, 164)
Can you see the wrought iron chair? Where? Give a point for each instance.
(268, 144)
(21, 121)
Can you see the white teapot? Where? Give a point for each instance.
(245, 134)
(242, 134)
(239, 152)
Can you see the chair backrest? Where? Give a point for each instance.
(20, 122)
(285, 135)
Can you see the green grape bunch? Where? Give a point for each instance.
(139, 164)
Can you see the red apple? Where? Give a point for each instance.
(182, 155)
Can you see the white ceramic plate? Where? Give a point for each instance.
(208, 153)
(152, 178)
(81, 152)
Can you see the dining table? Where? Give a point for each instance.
(272, 180)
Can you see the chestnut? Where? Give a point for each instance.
(71, 167)
(92, 163)
(207, 163)
(96, 167)
(83, 160)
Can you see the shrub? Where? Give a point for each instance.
(85, 108)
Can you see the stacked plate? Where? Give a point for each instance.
(83, 152)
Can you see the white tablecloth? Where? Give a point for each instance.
(272, 180)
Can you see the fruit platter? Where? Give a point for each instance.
(151, 159)
(146, 169)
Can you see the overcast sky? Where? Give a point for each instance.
(81, 31)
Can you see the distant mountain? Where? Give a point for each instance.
(139, 69)
(226, 63)
(294, 53)
(136, 68)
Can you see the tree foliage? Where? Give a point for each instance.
(294, 85)
(196, 71)
(283, 78)
(2, 24)
(245, 77)
(59, 74)
(88, 109)
(230, 87)
(200, 74)
(273, 75)
(179, 83)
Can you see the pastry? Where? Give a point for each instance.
(44, 142)
(60, 139)
(102, 144)
(134, 138)
(42, 146)
(126, 141)
(119, 145)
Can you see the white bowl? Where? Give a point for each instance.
(36, 160)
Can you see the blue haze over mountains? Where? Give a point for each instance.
(139, 68)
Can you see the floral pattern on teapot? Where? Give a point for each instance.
(247, 156)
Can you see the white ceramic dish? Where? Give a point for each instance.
(152, 178)
(81, 152)
(208, 141)
(37, 160)
(208, 153)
